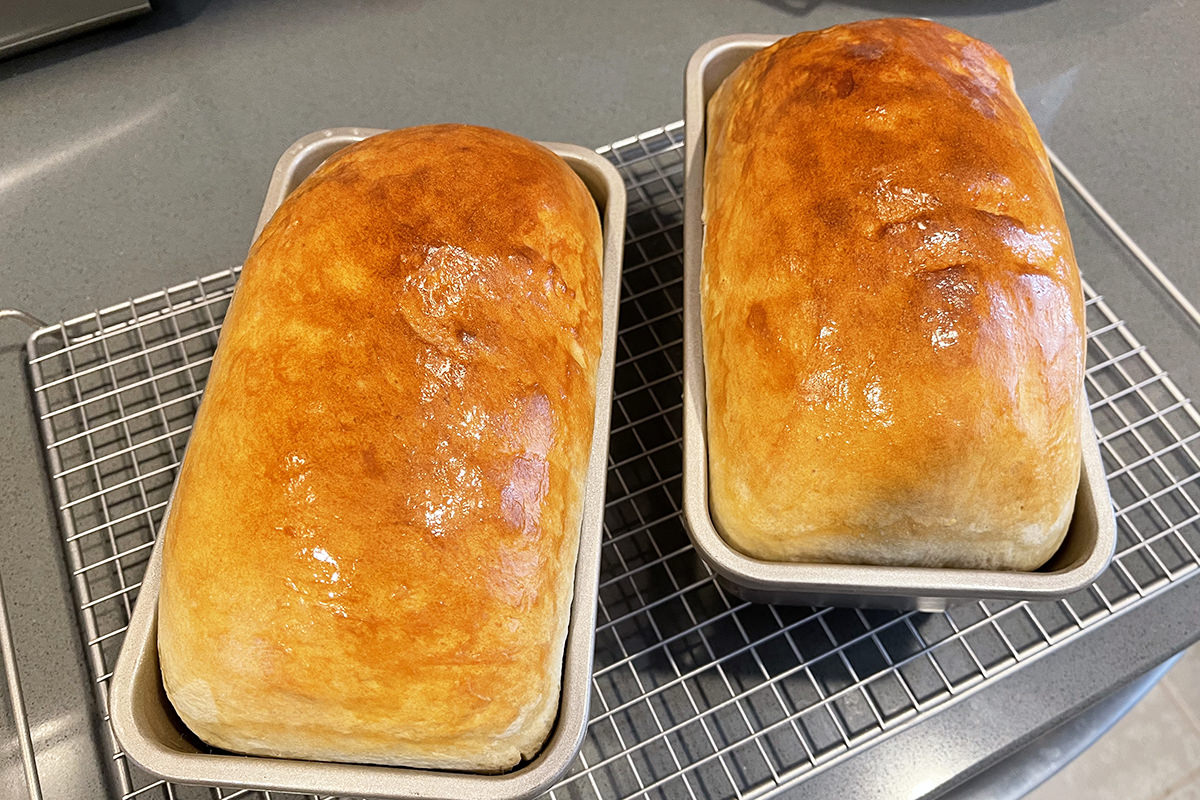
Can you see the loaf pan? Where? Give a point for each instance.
(153, 736)
(1084, 554)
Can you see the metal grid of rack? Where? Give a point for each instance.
(696, 693)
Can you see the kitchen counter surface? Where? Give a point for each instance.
(136, 157)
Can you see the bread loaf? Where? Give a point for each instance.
(370, 552)
(892, 316)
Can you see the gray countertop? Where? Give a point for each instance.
(137, 157)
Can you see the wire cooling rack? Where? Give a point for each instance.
(696, 693)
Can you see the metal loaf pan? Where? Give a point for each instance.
(1084, 554)
(150, 732)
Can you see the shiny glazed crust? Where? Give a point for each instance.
(371, 548)
(893, 318)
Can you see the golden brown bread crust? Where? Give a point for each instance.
(371, 548)
(893, 318)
